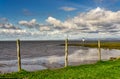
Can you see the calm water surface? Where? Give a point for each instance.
(37, 55)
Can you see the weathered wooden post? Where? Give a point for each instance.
(66, 52)
(99, 50)
(18, 55)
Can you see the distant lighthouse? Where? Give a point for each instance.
(83, 41)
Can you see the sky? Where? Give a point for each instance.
(58, 19)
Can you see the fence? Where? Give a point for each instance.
(26, 51)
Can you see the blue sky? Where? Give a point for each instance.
(51, 19)
(40, 9)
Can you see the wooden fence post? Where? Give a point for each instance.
(18, 55)
(66, 52)
(99, 50)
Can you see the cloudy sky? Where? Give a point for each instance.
(57, 19)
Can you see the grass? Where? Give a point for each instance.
(108, 45)
(100, 70)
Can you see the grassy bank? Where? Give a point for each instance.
(100, 70)
(110, 45)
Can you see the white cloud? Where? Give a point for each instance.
(44, 28)
(98, 20)
(8, 26)
(33, 21)
(53, 21)
(30, 24)
(22, 22)
(12, 31)
(5, 24)
(65, 8)
(94, 21)
(54, 32)
(61, 25)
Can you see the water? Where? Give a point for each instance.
(37, 55)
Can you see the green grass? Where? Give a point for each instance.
(100, 70)
(110, 45)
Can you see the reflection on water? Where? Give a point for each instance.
(76, 57)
